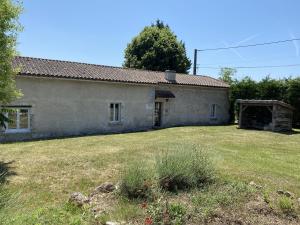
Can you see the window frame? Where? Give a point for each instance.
(118, 113)
(18, 129)
(213, 111)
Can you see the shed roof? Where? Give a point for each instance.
(264, 102)
(38, 67)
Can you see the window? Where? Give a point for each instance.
(19, 120)
(115, 112)
(213, 110)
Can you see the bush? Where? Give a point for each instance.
(184, 168)
(286, 205)
(293, 98)
(137, 181)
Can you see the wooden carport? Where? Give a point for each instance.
(265, 115)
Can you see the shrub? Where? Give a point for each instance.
(184, 168)
(137, 181)
(286, 205)
(267, 197)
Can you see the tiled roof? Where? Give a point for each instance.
(63, 69)
(263, 102)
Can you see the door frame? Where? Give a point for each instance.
(161, 114)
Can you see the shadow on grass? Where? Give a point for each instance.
(6, 170)
(292, 132)
(62, 137)
(153, 129)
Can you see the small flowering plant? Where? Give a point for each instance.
(148, 221)
(163, 213)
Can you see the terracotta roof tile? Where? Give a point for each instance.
(64, 69)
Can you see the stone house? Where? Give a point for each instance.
(63, 98)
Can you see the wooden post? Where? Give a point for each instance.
(274, 109)
(240, 115)
(195, 62)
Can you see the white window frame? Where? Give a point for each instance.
(213, 111)
(18, 129)
(115, 111)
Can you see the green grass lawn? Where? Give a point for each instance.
(42, 174)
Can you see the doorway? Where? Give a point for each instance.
(157, 114)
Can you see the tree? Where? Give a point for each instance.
(226, 74)
(293, 98)
(9, 28)
(157, 48)
(241, 89)
(271, 89)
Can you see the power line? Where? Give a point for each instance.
(253, 60)
(249, 67)
(238, 46)
(250, 45)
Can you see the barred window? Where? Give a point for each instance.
(115, 112)
(213, 111)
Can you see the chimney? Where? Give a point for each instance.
(170, 75)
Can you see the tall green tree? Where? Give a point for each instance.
(269, 88)
(157, 48)
(9, 28)
(293, 98)
(227, 75)
(241, 89)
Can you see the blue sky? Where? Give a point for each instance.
(97, 31)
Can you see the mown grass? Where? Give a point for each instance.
(44, 173)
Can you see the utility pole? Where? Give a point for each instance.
(195, 62)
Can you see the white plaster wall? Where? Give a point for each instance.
(62, 107)
(191, 106)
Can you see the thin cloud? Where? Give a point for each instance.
(233, 50)
(248, 39)
(238, 43)
(295, 43)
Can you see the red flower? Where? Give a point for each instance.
(148, 221)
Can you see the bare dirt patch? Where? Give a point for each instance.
(256, 211)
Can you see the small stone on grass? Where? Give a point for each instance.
(78, 199)
(253, 184)
(286, 193)
(112, 223)
(104, 188)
